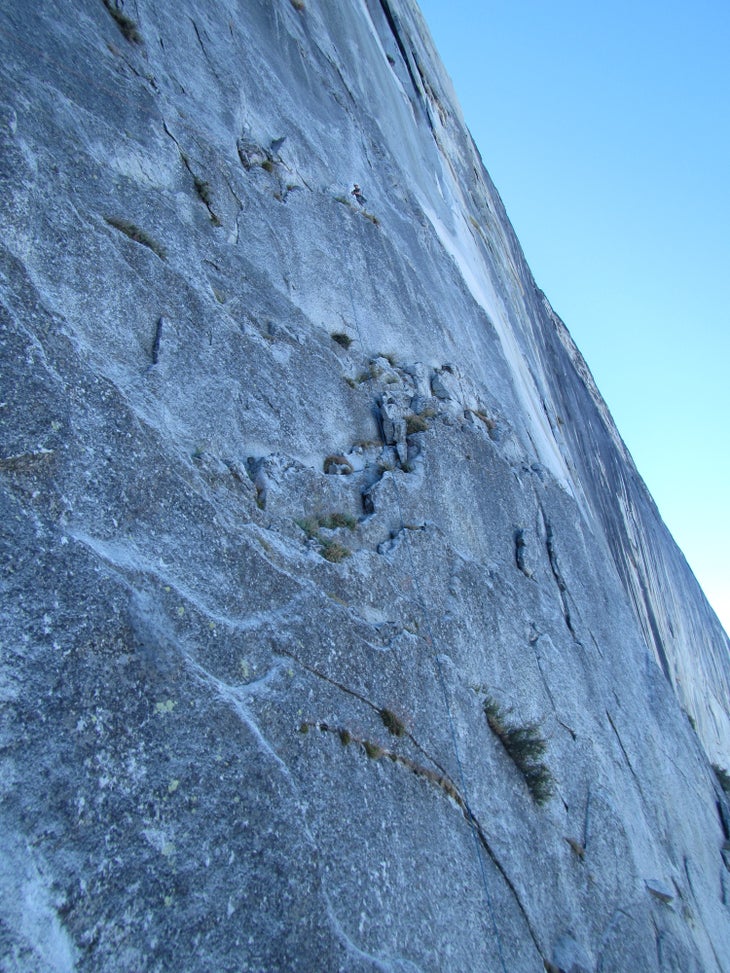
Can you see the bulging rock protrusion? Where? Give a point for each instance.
(445, 383)
(251, 153)
(660, 890)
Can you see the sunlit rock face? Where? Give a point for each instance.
(339, 630)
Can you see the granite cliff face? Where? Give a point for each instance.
(339, 630)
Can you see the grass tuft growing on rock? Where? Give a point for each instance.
(335, 520)
(330, 549)
(335, 552)
(138, 235)
(525, 746)
(392, 723)
(415, 424)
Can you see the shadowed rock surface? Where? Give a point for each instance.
(339, 631)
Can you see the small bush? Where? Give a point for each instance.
(298, 5)
(202, 188)
(328, 548)
(342, 339)
(373, 750)
(525, 747)
(415, 424)
(392, 723)
(332, 551)
(138, 235)
(268, 165)
(124, 23)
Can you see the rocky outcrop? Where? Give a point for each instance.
(339, 630)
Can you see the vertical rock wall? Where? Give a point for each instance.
(339, 631)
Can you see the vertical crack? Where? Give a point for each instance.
(557, 574)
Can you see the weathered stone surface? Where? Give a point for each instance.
(189, 580)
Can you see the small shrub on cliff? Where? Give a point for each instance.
(393, 724)
(332, 551)
(525, 747)
(415, 424)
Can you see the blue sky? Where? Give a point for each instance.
(606, 129)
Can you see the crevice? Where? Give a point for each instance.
(205, 53)
(375, 752)
(658, 943)
(25, 462)
(654, 627)
(559, 580)
(620, 743)
(557, 574)
(520, 552)
(157, 341)
(202, 188)
(724, 819)
(395, 30)
(239, 202)
(385, 715)
(538, 659)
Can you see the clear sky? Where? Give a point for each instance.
(606, 129)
